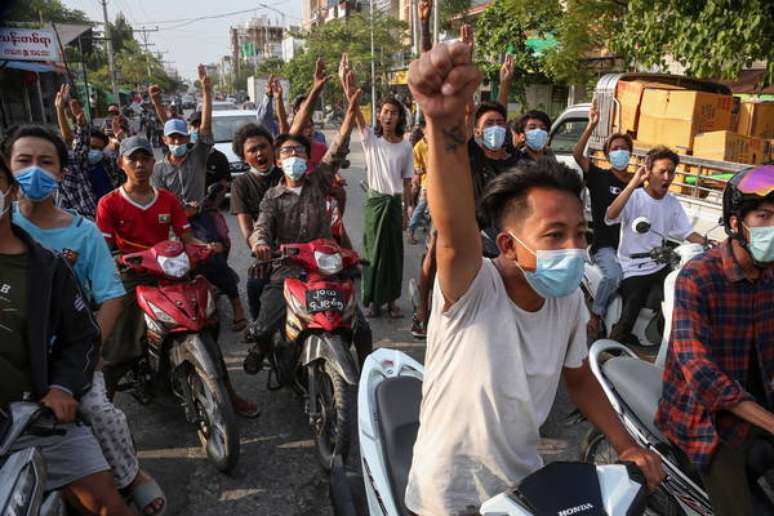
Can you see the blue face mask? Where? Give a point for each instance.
(178, 151)
(536, 139)
(557, 274)
(493, 137)
(194, 136)
(95, 156)
(620, 159)
(37, 184)
(761, 243)
(294, 167)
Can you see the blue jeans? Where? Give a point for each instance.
(606, 259)
(419, 211)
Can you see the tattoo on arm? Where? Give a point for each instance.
(453, 137)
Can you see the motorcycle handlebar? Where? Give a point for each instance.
(637, 256)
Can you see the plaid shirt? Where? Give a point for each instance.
(720, 320)
(76, 192)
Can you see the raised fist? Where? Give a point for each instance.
(154, 91)
(424, 9)
(443, 81)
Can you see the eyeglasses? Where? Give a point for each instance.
(298, 150)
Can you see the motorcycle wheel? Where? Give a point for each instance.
(218, 431)
(336, 427)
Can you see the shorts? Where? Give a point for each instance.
(68, 457)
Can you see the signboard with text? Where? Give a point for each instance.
(28, 45)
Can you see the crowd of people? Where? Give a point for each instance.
(498, 302)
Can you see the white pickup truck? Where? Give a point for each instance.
(699, 181)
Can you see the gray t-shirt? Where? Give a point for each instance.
(491, 375)
(187, 180)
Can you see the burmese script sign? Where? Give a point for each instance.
(28, 45)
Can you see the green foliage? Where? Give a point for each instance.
(349, 35)
(45, 10)
(711, 38)
(270, 66)
(450, 16)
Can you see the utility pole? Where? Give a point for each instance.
(436, 8)
(146, 45)
(373, 69)
(111, 64)
(415, 26)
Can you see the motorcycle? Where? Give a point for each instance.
(389, 397)
(311, 354)
(23, 475)
(646, 328)
(181, 354)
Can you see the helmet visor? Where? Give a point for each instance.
(758, 182)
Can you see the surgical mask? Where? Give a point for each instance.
(262, 174)
(761, 243)
(620, 159)
(493, 137)
(178, 151)
(294, 167)
(36, 183)
(536, 139)
(557, 274)
(95, 156)
(194, 136)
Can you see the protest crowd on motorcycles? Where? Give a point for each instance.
(115, 248)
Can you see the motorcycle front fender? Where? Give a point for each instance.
(201, 351)
(333, 350)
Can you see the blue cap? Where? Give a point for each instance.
(175, 126)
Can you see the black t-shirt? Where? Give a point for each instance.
(217, 168)
(485, 169)
(247, 191)
(603, 187)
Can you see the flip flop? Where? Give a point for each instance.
(239, 324)
(249, 414)
(395, 313)
(145, 494)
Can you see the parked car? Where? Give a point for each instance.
(188, 101)
(224, 125)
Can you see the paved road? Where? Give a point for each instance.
(278, 472)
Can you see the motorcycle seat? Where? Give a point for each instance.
(397, 410)
(639, 385)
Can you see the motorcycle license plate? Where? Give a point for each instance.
(324, 300)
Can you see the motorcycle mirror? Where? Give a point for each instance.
(641, 225)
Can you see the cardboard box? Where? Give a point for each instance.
(756, 119)
(729, 146)
(629, 95)
(674, 118)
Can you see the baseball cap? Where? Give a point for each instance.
(134, 143)
(175, 126)
(195, 118)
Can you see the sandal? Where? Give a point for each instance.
(239, 324)
(372, 312)
(145, 494)
(395, 313)
(244, 408)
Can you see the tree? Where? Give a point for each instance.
(45, 10)
(349, 35)
(711, 38)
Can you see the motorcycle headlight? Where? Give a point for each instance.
(329, 263)
(175, 266)
(160, 314)
(210, 310)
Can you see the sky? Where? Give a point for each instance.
(189, 44)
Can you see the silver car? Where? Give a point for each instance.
(224, 125)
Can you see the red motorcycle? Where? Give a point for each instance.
(181, 354)
(312, 353)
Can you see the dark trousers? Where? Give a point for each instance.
(254, 291)
(638, 292)
(216, 269)
(731, 478)
(272, 315)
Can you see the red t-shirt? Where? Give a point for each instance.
(318, 152)
(131, 227)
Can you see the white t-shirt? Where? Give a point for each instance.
(491, 375)
(387, 164)
(666, 216)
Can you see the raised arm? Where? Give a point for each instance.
(282, 115)
(443, 81)
(577, 153)
(617, 206)
(426, 43)
(349, 85)
(305, 110)
(154, 92)
(60, 102)
(205, 129)
(506, 76)
(265, 109)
